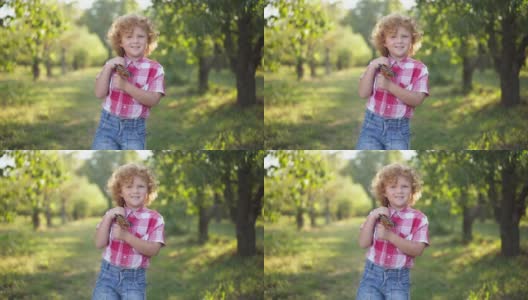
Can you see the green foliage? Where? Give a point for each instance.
(366, 14)
(102, 14)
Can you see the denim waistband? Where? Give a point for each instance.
(109, 267)
(377, 118)
(379, 269)
(106, 115)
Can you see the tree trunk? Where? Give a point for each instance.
(36, 68)
(509, 226)
(63, 61)
(246, 67)
(35, 219)
(328, 67)
(246, 212)
(63, 211)
(217, 212)
(299, 68)
(509, 68)
(299, 219)
(48, 68)
(203, 74)
(467, 75)
(467, 225)
(313, 69)
(203, 224)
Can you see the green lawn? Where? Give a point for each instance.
(327, 113)
(327, 263)
(63, 263)
(63, 113)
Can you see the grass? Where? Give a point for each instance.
(62, 263)
(327, 113)
(327, 263)
(63, 113)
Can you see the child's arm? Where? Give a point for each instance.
(144, 247)
(144, 97)
(366, 81)
(411, 248)
(367, 231)
(408, 97)
(102, 81)
(103, 231)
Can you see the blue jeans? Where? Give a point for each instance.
(115, 133)
(381, 283)
(119, 283)
(379, 133)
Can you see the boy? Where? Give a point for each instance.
(394, 242)
(393, 96)
(130, 93)
(129, 245)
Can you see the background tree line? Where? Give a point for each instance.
(459, 38)
(193, 186)
(459, 187)
(195, 36)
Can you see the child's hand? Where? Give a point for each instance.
(383, 82)
(382, 60)
(119, 82)
(383, 233)
(116, 210)
(119, 233)
(380, 211)
(118, 60)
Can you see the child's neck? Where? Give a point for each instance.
(398, 59)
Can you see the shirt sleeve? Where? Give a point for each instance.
(421, 234)
(157, 233)
(421, 83)
(157, 83)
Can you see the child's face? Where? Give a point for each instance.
(134, 42)
(398, 192)
(398, 43)
(135, 192)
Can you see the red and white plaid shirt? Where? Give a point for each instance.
(147, 75)
(147, 225)
(411, 75)
(412, 225)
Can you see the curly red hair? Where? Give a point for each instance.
(389, 174)
(389, 24)
(125, 174)
(126, 24)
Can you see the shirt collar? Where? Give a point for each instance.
(393, 211)
(393, 61)
(129, 61)
(129, 210)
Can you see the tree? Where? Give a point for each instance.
(39, 24)
(366, 164)
(506, 23)
(507, 189)
(102, 14)
(299, 27)
(454, 24)
(99, 167)
(192, 27)
(366, 14)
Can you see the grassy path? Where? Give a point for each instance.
(327, 263)
(63, 113)
(62, 263)
(327, 113)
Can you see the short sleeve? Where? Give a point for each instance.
(421, 233)
(421, 83)
(157, 232)
(157, 82)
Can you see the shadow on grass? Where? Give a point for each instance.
(63, 113)
(327, 114)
